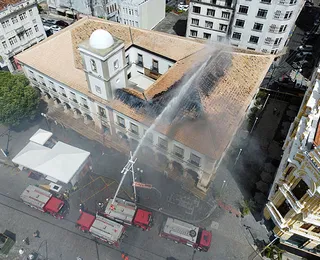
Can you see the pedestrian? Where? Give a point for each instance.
(26, 241)
(126, 257)
(36, 234)
(81, 207)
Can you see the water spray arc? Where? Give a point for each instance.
(173, 104)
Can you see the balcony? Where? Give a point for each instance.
(34, 82)
(43, 86)
(311, 218)
(103, 117)
(20, 30)
(54, 93)
(294, 203)
(74, 103)
(64, 97)
(85, 108)
(133, 134)
(275, 215)
(154, 70)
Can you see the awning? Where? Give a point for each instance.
(41, 136)
(61, 162)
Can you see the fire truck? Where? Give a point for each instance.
(127, 213)
(101, 228)
(185, 233)
(44, 201)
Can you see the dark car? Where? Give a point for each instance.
(62, 23)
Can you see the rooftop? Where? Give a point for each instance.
(224, 104)
(5, 3)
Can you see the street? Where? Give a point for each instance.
(233, 237)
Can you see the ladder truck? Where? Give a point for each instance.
(126, 212)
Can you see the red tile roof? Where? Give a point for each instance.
(5, 3)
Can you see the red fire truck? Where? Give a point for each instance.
(185, 233)
(127, 213)
(101, 228)
(44, 201)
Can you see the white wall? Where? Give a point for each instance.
(250, 19)
(151, 12)
(163, 63)
(9, 31)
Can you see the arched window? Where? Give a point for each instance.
(93, 65)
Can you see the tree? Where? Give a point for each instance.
(18, 100)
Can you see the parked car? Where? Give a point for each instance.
(43, 20)
(301, 64)
(55, 28)
(52, 22)
(183, 7)
(304, 55)
(62, 24)
(305, 48)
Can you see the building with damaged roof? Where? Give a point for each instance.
(118, 79)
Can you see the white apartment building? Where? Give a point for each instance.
(21, 27)
(107, 9)
(145, 14)
(259, 25)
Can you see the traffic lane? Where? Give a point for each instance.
(63, 239)
(54, 234)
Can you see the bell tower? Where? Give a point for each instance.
(103, 59)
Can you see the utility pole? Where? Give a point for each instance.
(8, 140)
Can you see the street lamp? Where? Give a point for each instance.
(254, 124)
(46, 117)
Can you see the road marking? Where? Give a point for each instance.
(214, 225)
(93, 194)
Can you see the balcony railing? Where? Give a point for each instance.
(275, 215)
(85, 108)
(154, 70)
(64, 98)
(55, 94)
(74, 102)
(291, 199)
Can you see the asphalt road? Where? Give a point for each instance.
(66, 242)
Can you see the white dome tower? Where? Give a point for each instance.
(101, 39)
(103, 59)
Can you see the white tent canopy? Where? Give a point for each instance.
(61, 162)
(41, 136)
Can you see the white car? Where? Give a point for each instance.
(183, 7)
(55, 28)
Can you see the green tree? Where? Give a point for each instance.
(18, 100)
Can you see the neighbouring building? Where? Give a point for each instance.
(144, 14)
(21, 27)
(110, 81)
(99, 8)
(263, 26)
(294, 199)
